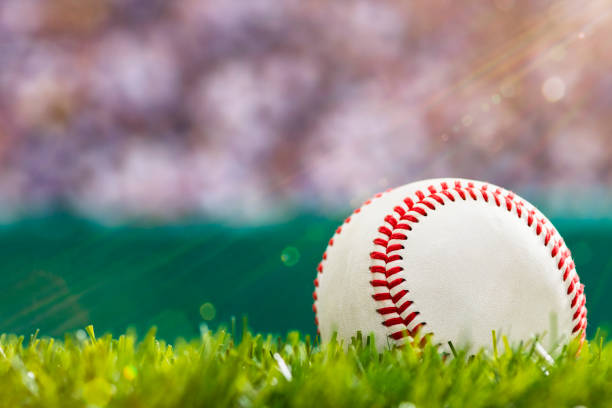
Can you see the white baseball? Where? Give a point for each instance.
(452, 258)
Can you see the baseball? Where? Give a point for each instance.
(451, 258)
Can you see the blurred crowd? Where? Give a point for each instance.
(236, 108)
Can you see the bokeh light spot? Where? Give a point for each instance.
(208, 311)
(496, 99)
(467, 120)
(130, 372)
(290, 256)
(81, 335)
(553, 89)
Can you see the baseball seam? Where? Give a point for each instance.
(331, 243)
(391, 292)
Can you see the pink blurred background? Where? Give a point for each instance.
(246, 108)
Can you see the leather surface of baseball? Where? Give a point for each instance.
(452, 258)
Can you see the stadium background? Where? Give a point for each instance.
(179, 163)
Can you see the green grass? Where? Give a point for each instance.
(215, 370)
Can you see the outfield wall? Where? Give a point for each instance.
(61, 273)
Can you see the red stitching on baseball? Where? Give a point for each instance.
(410, 218)
(393, 321)
(393, 271)
(404, 306)
(391, 220)
(398, 326)
(450, 196)
(461, 193)
(472, 194)
(380, 241)
(373, 269)
(378, 255)
(393, 231)
(396, 298)
(420, 210)
(395, 282)
(395, 247)
(404, 227)
(411, 317)
(382, 296)
(393, 258)
(377, 269)
(496, 197)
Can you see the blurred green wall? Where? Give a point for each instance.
(60, 273)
